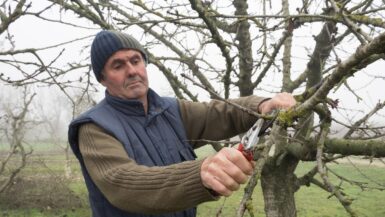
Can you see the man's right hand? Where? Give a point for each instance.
(225, 171)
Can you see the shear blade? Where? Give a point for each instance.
(252, 136)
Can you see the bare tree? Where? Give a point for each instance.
(55, 120)
(29, 67)
(239, 48)
(14, 125)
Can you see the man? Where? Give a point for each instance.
(134, 147)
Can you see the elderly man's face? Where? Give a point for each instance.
(125, 75)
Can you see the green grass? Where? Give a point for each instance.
(78, 212)
(38, 147)
(310, 201)
(315, 202)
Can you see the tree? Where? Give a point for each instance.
(55, 120)
(15, 122)
(239, 48)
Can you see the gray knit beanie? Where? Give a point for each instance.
(106, 43)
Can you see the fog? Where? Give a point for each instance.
(50, 102)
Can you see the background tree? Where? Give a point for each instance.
(55, 120)
(238, 48)
(15, 123)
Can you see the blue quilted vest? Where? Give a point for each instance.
(155, 139)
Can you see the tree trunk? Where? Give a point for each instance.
(278, 186)
(67, 165)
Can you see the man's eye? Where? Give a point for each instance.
(117, 66)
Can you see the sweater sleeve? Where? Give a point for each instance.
(217, 120)
(136, 188)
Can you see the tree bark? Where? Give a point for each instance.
(67, 165)
(278, 186)
(370, 147)
(245, 49)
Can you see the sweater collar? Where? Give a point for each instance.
(134, 107)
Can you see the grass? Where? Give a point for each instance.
(38, 147)
(313, 201)
(310, 201)
(79, 212)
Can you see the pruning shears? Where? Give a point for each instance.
(251, 137)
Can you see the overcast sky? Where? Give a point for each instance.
(31, 32)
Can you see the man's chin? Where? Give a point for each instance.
(136, 92)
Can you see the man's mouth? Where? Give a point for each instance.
(131, 83)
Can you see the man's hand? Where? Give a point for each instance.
(280, 101)
(225, 171)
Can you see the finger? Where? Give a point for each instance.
(212, 179)
(235, 173)
(226, 180)
(239, 161)
(221, 189)
(284, 100)
(226, 172)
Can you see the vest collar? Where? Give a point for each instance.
(134, 107)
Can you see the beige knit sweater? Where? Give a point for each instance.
(141, 189)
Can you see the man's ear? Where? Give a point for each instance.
(101, 79)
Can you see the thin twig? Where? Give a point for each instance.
(218, 97)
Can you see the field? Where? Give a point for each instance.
(42, 191)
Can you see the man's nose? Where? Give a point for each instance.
(130, 69)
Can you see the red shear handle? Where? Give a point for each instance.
(248, 154)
